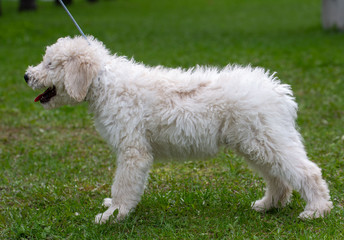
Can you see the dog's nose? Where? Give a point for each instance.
(26, 77)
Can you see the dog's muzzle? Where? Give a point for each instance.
(26, 78)
(45, 96)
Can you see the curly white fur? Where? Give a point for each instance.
(148, 112)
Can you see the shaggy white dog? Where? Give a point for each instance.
(149, 112)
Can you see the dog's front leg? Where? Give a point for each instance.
(133, 164)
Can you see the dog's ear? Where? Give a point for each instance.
(79, 72)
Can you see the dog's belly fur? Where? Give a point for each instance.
(185, 140)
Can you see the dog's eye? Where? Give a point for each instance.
(49, 64)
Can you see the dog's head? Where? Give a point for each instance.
(67, 71)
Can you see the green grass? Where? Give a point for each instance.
(55, 169)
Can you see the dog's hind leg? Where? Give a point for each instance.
(133, 164)
(277, 193)
(285, 162)
(305, 177)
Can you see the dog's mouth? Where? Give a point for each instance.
(47, 95)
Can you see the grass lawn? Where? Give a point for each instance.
(55, 169)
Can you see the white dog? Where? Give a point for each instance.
(149, 112)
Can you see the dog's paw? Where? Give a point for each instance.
(312, 213)
(309, 215)
(261, 205)
(107, 202)
(120, 214)
(99, 219)
(104, 217)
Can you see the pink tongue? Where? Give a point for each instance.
(39, 97)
